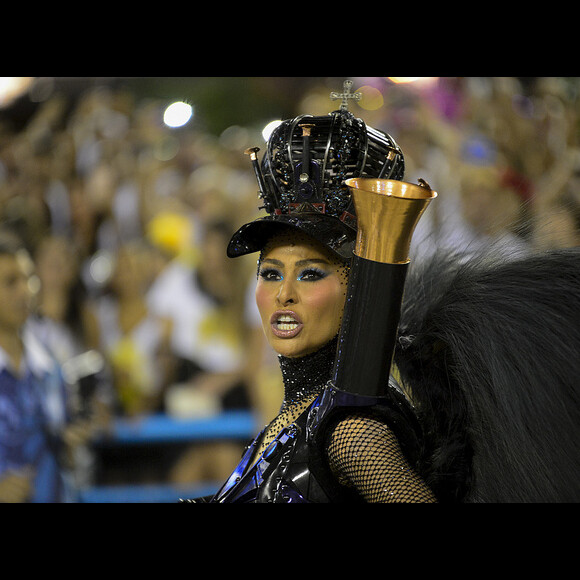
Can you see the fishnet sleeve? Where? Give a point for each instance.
(364, 453)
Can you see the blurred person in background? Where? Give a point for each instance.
(60, 297)
(37, 430)
(134, 340)
(205, 304)
(490, 210)
(57, 322)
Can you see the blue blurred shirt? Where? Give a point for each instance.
(32, 417)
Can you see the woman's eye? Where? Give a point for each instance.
(311, 275)
(270, 275)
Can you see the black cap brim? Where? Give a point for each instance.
(330, 231)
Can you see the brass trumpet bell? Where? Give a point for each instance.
(387, 211)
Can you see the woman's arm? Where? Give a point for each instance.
(364, 453)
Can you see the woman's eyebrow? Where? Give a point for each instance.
(273, 262)
(299, 263)
(309, 261)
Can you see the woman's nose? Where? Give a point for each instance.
(287, 293)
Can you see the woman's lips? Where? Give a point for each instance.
(285, 324)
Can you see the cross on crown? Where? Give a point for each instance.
(345, 95)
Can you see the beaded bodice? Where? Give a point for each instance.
(304, 378)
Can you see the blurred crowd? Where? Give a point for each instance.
(503, 153)
(126, 223)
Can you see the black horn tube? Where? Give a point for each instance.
(387, 213)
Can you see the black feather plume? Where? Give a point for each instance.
(490, 350)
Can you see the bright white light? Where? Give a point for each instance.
(12, 87)
(405, 80)
(177, 114)
(267, 130)
(101, 267)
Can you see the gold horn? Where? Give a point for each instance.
(387, 214)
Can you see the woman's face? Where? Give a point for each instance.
(300, 294)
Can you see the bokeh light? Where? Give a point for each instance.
(267, 130)
(13, 87)
(177, 114)
(405, 80)
(372, 99)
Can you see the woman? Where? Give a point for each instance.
(318, 450)
(485, 349)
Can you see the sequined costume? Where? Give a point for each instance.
(329, 446)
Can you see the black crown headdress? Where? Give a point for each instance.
(306, 163)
